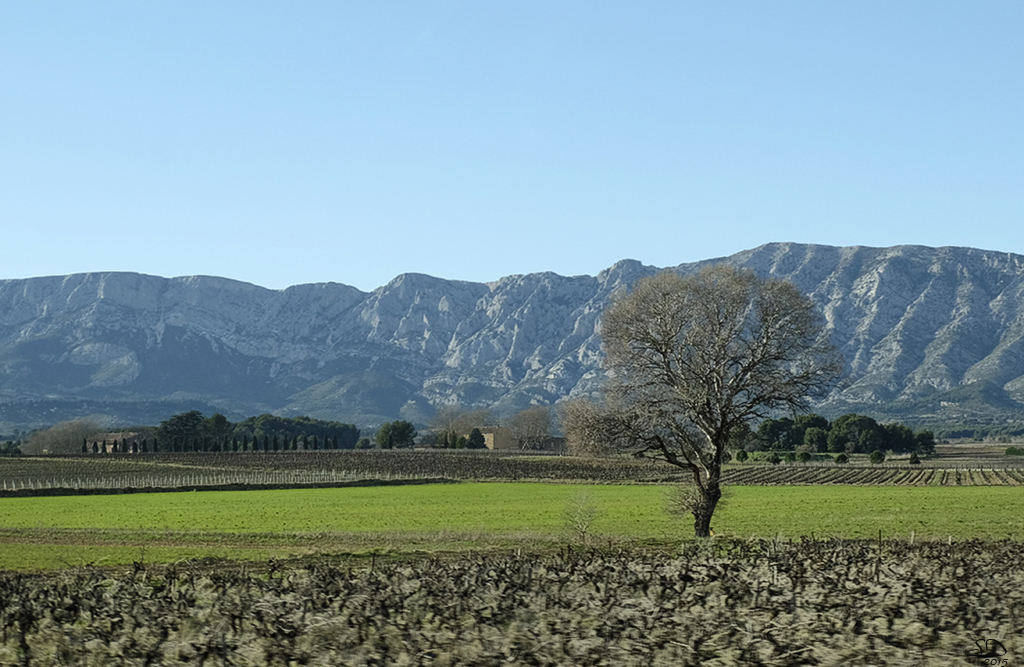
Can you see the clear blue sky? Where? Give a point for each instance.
(291, 142)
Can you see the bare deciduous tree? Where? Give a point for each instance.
(580, 422)
(532, 426)
(580, 512)
(690, 359)
(63, 437)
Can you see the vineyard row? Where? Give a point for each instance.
(870, 476)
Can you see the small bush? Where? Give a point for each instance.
(741, 456)
(579, 513)
(803, 457)
(877, 456)
(842, 458)
(789, 457)
(1015, 451)
(774, 459)
(915, 460)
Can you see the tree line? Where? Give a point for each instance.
(849, 434)
(11, 448)
(453, 427)
(193, 432)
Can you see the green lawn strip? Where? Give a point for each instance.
(628, 510)
(490, 507)
(272, 523)
(983, 512)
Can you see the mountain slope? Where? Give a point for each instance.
(924, 331)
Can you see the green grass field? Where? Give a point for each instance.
(73, 530)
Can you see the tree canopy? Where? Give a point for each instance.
(183, 427)
(850, 433)
(192, 431)
(298, 427)
(476, 440)
(64, 437)
(532, 426)
(396, 435)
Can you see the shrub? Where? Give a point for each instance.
(774, 459)
(803, 457)
(741, 456)
(789, 457)
(914, 459)
(1015, 451)
(842, 458)
(877, 456)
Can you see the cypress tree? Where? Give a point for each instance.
(266, 443)
(245, 441)
(335, 445)
(316, 442)
(95, 448)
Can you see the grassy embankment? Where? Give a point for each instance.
(257, 525)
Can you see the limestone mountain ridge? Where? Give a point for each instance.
(927, 333)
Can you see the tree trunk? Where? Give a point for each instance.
(705, 509)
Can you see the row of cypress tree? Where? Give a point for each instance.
(210, 444)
